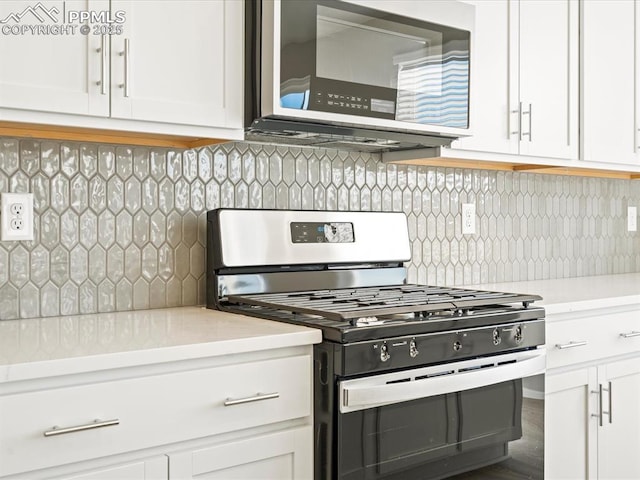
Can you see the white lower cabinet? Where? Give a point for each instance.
(246, 417)
(150, 469)
(592, 398)
(283, 455)
(619, 436)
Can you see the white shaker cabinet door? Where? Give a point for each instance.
(47, 64)
(524, 82)
(548, 78)
(491, 89)
(619, 435)
(284, 455)
(609, 81)
(570, 429)
(179, 62)
(156, 468)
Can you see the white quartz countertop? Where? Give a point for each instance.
(35, 348)
(577, 294)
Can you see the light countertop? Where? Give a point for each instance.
(33, 348)
(577, 294)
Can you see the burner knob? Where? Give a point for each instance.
(496, 337)
(384, 352)
(518, 336)
(457, 346)
(413, 349)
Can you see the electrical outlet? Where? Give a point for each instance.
(468, 218)
(632, 219)
(16, 216)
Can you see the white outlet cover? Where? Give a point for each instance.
(10, 203)
(468, 218)
(632, 219)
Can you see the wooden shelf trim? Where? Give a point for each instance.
(92, 135)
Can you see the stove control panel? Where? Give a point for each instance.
(421, 350)
(318, 232)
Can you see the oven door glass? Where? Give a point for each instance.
(433, 436)
(347, 59)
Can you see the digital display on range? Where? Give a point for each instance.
(320, 232)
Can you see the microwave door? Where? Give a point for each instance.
(346, 64)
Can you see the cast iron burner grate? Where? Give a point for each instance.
(356, 303)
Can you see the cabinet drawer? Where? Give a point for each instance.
(585, 339)
(149, 411)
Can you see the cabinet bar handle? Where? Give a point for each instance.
(630, 334)
(610, 412)
(258, 397)
(600, 412)
(528, 134)
(564, 346)
(103, 52)
(80, 428)
(125, 85)
(519, 112)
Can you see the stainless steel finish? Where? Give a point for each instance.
(126, 54)
(630, 334)
(103, 74)
(600, 412)
(79, 428)
(457, 346)
(564, 346)
(263, 237)
(610, 412)
(275, 124)
(402, 386)
(256, 398)
(529, 112)
(401, 155)
(243, 284)
(519, 112)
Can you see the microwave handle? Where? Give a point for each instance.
(360, 397)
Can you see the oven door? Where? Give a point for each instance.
(437, 422)
(402, 63)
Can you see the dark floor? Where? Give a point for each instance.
(527, 454)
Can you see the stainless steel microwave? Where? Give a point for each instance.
(379, 72)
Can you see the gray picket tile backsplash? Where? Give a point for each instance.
(122, 228)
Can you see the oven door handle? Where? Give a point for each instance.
(386, 389)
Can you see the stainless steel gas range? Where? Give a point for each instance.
(411, 381)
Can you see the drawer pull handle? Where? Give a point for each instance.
(80, 428)
(258, 397)
(630, 334)
(564, 346)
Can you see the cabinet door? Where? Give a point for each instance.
(609, 81)
(156, 468)
(48, 71)
(278, 456)
(524, 83)
(179, 62)
(619, 437)
(548, 78)
(491, 89)
(570, 445)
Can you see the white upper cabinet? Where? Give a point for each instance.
(524, 97)
(170, 67)
(51, 72)
(609, 81)
(178, 62)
